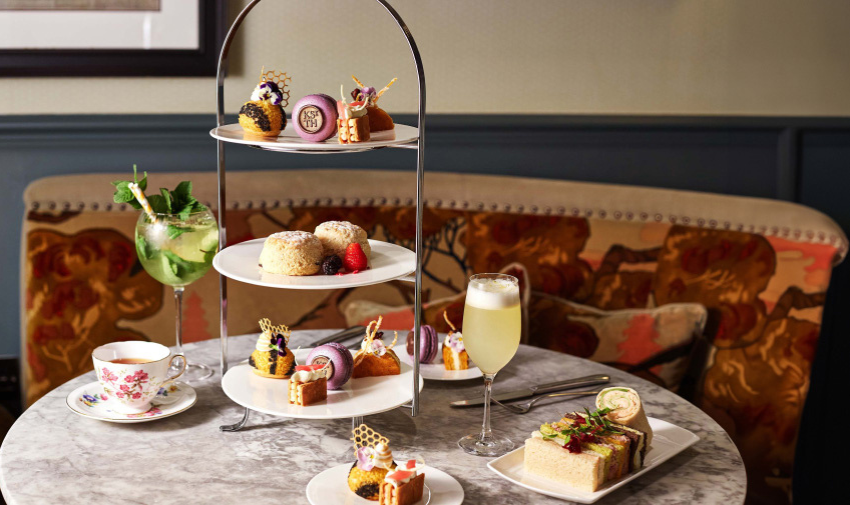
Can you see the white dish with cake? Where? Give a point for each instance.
(357, 397)
(437, 370)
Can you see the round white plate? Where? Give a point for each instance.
(289, 141)
(241, 262)
(87, 401)
(358, 397)
(331, 487)
(436, 371)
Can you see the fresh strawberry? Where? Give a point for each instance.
(355, 259)
(302, 368)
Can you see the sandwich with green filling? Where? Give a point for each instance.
(585, 450)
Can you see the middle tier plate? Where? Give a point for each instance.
(241, 262)
(358, 397)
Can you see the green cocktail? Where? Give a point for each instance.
(176, 240)
(177, 252)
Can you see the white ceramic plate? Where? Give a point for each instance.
(288, 140)
(358, 397)
(667, 441)
(87, 401)
(436, 370)
(331, 488)
(241, 262)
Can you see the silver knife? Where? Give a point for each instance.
(590, 380)
(341, 335)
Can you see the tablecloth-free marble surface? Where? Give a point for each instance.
(53, 456)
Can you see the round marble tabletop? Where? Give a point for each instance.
(52, 455)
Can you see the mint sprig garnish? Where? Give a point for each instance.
(178, 201)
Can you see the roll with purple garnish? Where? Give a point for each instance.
(339, 361)
(428, 343)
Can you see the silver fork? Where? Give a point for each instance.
(522, 408)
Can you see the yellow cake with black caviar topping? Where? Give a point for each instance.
(367, 484)
(374, 461)
(271, 358)
(263, 115)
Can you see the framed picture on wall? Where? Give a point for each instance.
(53, 38)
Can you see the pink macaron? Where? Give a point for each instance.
(428, 343)
(314, 117)
(338, 359)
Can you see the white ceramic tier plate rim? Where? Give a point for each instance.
(366, 396)
(240, 262)
(288, 140)
(189, 398)
(668, 440)
(435, 370)
(327, 487)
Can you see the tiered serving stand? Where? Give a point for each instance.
(255, 393)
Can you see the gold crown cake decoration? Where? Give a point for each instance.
(364, 436)
(281, 80)
(267, 327)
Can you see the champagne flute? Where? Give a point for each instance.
(178, 251)
(491, 333)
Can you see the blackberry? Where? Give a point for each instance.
(331, 265)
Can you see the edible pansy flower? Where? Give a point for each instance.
(267, 91)
(455, 342)
(366, 458)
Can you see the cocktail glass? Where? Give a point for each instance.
(177, 252)
(491, 333)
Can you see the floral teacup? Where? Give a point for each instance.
(131, 373)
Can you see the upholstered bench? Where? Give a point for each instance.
(624, 275)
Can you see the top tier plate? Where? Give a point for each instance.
(289, 141)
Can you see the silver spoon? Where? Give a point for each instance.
(522, 408)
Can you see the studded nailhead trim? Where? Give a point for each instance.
(616, 215)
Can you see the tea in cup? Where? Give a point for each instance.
(131, 373)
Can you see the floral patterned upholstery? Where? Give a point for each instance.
(760, 268)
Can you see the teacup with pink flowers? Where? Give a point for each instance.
(131, 373)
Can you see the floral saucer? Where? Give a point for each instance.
(90, 401)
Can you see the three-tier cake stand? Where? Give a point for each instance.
(405, 137)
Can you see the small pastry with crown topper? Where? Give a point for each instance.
(271, 358)
(353, 122)
(374, 359)
(308, 385)
(375, 476)
(455, 356)
(379, 120)
(263, 115)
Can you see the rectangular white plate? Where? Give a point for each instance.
(667, 441)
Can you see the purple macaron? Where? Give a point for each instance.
(428, 343)
(314, 117)
(338, 359)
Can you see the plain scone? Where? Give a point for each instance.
(336, 236)
(582, 471)
(292, 253)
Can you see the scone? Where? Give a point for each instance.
(292, 253)
(336, 236)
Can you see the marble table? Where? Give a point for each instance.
(52, 455)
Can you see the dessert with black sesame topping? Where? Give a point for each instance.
(263, 115)
(271, 358)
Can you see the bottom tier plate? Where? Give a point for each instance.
(358, 397)
(331, 488)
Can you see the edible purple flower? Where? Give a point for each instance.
(455, 342)
(366, 458)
